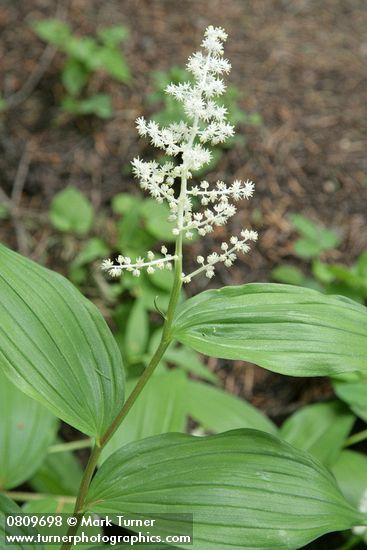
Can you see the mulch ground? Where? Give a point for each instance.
(301, 64)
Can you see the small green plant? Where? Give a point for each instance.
(84, 57)
(244, 487)
(332, 278)
(172, 110)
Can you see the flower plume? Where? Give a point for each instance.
(198, 207)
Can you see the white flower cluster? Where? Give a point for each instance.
(228, 255)
(197, 207)
(150, 264)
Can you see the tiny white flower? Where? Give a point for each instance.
(107, 265)
(115, 272)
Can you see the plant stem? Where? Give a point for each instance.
(163, 345)
(84, 486)
(356, 438)
(27, 497)
(71, 446)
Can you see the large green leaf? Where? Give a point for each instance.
(26, 431)
(7, 506)
(161, 408)
(56, 347)
(218, 411)
(245, 489)
(286, 329)
(320, 429)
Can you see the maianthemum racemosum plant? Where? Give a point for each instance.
(245, 488)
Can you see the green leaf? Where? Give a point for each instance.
(53, 31)
(56, 347)
(7, 506)
(162, 278)
(71, 211)
(93, 249)
(137, 332)
(156, 220)
(350, 471)
(307, 249)
(161, 408)
(74, 76)
(189, 361)
(353, 391)
(122, 203)
(315, 240)
(49, 506)
(59, 474)
(99, 105)
(26, 431)
(139, 242)
(288, 274)
(305, 227)
(219, 411)
(111, 36)
(112, 61)
(286, 329)
(83, 49)
(322, 272)
(245, 488)
(151, 295)
(320, 429)
(328, 240)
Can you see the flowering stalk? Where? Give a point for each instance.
(206, 123)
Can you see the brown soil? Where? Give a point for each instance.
(302, 65)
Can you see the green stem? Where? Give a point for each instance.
(70, 446)
(84, 486)
(356, 438)
(28, 497)
(164, 343)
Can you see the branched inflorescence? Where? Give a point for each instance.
(197, 208)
